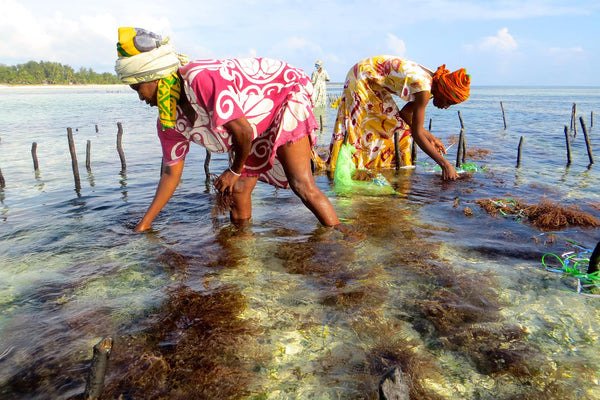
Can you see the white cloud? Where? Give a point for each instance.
(567, 51)
(396, 45)
(503, 41)
(295, 43)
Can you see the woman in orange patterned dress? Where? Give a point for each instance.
(368, 116)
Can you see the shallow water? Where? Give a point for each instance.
(462, 303)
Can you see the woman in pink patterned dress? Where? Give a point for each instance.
(257, 109)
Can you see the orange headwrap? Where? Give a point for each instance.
(453, 86)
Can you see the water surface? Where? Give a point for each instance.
(457, 298)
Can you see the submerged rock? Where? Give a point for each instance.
(393, 386)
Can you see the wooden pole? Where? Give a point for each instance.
(74, 159)
(207, 165)
(2, 181)
(36, 166)
(397, 149)
(574, 119)
(120, 147)
(519, 152)
(460, 149)
(88, 150)
(503, 114)
(413, 152)
(462, 125)
(95, 380)
(592, 119)
(430, 119)
(464, 149)
(321, 122)
(96, 128)
(568, 145)
(587, 141)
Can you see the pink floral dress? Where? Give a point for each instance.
(273, 96)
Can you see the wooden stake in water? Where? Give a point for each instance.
(73, 159)
(460, 148)
(207, 165)
(413, 152)
(587, 141)
(120, 147)
(88, 150)
(503, 114)
(592, 119)
(574, 119)
(464, 149)
(321, 122)
(36, 166)
(95, 379)
(462, 125)
(519, 152)
(2, 181)
(568, 141)
(430, 119)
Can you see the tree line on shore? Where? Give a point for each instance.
(52, 73)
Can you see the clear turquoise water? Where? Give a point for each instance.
(462, 303)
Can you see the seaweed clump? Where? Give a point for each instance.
(550, 215)
(198, 348)
(223, 201)
(363, 175)
(546, 215)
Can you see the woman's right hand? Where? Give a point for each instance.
(142, 226)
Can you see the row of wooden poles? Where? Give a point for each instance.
(75, 164)
(460, 154)
(462, 147)
(567, 130)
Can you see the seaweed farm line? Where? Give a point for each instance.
(455, 284)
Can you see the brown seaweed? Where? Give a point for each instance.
(223, 201)
(196, 349)
(546, 215)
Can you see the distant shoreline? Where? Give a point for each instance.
(87, 86)
(332, 85)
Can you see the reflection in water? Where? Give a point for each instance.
(91, 178)
(123, 183)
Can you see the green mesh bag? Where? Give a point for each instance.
(345, 169)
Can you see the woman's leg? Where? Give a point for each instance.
(241, 209)
(295, 159)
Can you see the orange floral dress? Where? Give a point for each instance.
(368, 116)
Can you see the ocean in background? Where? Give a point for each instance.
(457, 298)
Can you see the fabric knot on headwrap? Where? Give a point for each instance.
(145, 57)
(453, 86)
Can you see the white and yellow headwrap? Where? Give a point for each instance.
(144, 57)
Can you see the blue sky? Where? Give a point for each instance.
(500, 42)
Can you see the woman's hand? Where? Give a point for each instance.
(448, 172)
(226, 181)
(142, 226)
